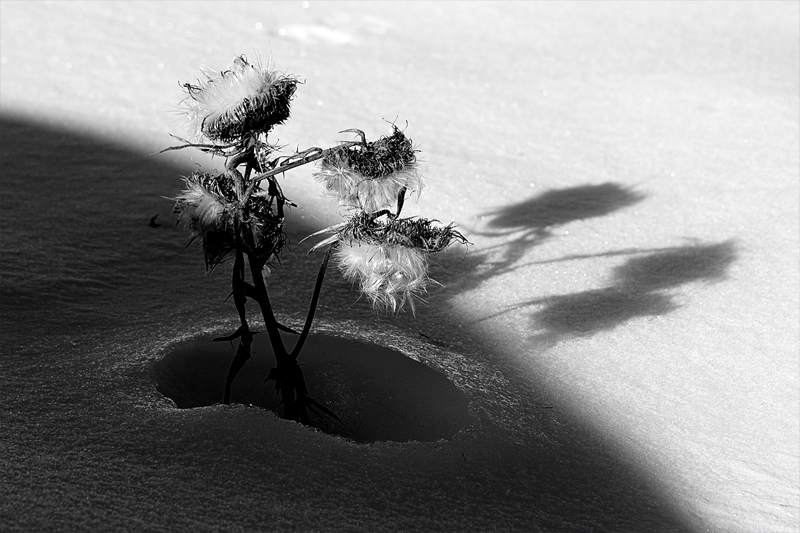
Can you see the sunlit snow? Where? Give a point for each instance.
(623, 329)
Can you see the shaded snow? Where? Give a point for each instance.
(375, 393)
(628, 174)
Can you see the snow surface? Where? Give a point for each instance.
(625, 325)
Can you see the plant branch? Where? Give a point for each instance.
(312, 309)
(270, 322)
(240, 301)
(293, 161)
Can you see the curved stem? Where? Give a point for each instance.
(313, 307)
(238, 159)
(270, 322)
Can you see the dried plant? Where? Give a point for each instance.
(238, 215)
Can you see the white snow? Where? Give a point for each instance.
(627, 172)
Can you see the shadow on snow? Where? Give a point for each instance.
(98, 198)
(532, 222)
(638, 288)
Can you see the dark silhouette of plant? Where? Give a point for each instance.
(238, 215)
(639, 287)
(523, 225)
(534, 218)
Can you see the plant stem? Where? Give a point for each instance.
(270, 322)
(285, 364)
(238, 287)
(307, 156)
(289, 375)
(313, 307)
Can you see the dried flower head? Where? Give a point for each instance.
(244, 100)
(390, 276)
(389, 260)
(370, 176)
(209, 208)
(205, 209)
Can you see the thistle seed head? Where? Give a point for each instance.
(240, 102)
(389, 260)
(369, 176)
(210, 209)
(206, 211)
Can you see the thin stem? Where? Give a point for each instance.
(307, 156)
(313, 307)
(239, 159)
(270, 322)
(216, 149)
(290, 377)
(246, 157)
(238, 286)
(285, 365)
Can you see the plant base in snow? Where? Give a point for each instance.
(238, 215)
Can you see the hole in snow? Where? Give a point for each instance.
(378, 393)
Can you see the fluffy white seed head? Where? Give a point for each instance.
(199, 209)
(244, 99)
(357, 192)
(370, 176)
(390, 276)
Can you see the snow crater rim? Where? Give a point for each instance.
(379, 393)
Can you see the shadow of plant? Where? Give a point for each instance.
(99, 283)
(638, 289)
(560, 206)
(533, 220)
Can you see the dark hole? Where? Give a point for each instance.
(378, 393)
